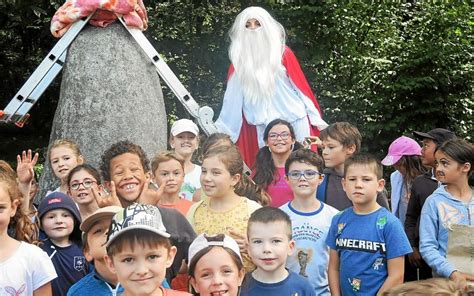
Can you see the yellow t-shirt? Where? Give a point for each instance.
(206, 220)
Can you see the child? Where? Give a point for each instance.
(139, 251)
(340, 141)
(64, 155)
(184, 140)
(436, 286)
(168, 172)
(270, 243)
(422, 187)
(404, 154)
(279, 137)
(222, 210)
(310, 219)
(60, 220)
(101, 281)
(81, 180)
(24, 269)
(247, 186)
(367, 242)
(126, 172)
(451, 203)
(27, 181)
(215, 266)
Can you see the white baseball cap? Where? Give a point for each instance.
(201, 242)
(136, 216)
(184, 125)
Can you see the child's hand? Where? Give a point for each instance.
(312, 140)
(241, 240)
(415, 258)
(461, 279)
(105, 199)
(150, 196)
(24, 166)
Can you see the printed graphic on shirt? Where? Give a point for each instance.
(304, 258)
(378, 263)
(307, 232)
(12, 291)
(355, 283)
(449, 215)
(79, 263)
(360, 245)
(340, 227)
(381, 222)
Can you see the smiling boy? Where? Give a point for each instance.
(310, 219)
(270, 243)
(367, 243)
(139, 251)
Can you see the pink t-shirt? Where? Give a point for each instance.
(279, 189)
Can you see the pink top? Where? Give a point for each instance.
(279, 189)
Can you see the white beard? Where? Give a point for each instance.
(257, 62)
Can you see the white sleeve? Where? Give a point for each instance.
(43, 269)
(230, 118)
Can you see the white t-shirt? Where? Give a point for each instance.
(191, 183)
(310, 258)
(28, 269)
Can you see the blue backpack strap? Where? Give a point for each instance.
(321, 192)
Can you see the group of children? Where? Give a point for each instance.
(170, 227)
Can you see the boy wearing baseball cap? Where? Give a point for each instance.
(59, 219)
(184, 140)
(422, 187)
(139, 251)
(94, 235)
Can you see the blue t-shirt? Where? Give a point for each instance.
(364, 244)
(93, 283)
(70, 265)
(293, 285)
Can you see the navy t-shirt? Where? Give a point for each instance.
(364, 244)
(70, 265)
(294, 284)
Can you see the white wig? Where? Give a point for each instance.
(257, 54)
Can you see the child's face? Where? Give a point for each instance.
(304, 186)
(362, 185)
(142, 269)
(127, 172)
(217, 274)
(279, 139)
(7, 207)
(82, 195)
(216, 180)
(63, 160)
(184, 144)
(58, 224)
(171, 175)
(96, 239)
(428, 152)
(449, 170)
(269, 245)
(334, 153)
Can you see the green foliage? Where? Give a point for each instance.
(388, 67)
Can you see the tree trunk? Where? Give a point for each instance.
(110, 91)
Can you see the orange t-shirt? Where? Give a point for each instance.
(169, 292)
(182, 206)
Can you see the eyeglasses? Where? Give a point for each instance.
(86, 183)
(308, 174)
(274, 136)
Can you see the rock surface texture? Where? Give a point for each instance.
(110, 91)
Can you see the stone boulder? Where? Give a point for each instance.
(110, 91)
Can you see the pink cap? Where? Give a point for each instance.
(400, 147)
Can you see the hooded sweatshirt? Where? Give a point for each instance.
(440, 211)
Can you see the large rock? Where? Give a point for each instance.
(110, 91)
